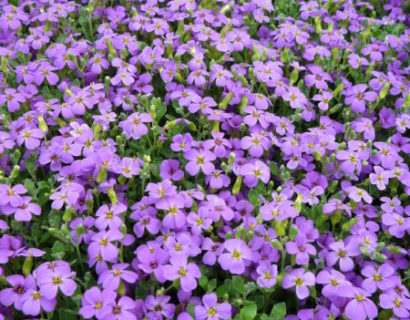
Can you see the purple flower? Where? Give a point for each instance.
(50, 281)
(219, 75)
(169, 169)
(360, 306)
(266, 275)
(12, 195)
(351, 161)
(211, 309)
(295, 98)
(323, 99)
(124, 309)
(12, 98)
(175, 216)
(357, 96)
(101, 245)
(14, 295)
(97, 303)
(181, 142)
(34, 301)
(256, 144)
(235, 257)
(30, 138)
(301, 280)
(158, 307)
(301, 248)
(199, 160)
(380, 177)
(399, 304)
(24, 211)
(332, 281)
(254, 172)
(110, 216)
(186, 272)
(339, 252)
(317, 77)
(151, 260)
(397, 224)
(110, 279)
(377, 277)
(134, 126)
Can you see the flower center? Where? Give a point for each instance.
(211, 312)
(182, 272)
(359, 297)
(116, 310)
(57, 280)
(341, 253)
(298, 281)
(236, 254)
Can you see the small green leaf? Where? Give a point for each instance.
(253, 197)
(27, 265)
(278, 311)
(58, 250)
(203, 282)
(161, 111)
(238, 284)
(30, 166)
(102, 175)
(31, 187)
(248, 312)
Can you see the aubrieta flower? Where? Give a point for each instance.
(301, 280)
(158, 307)
(399, 304)
(97, 303)
(187, 273)
(360, 307)
(50, 281)
(211, 309)
(343, 254)
(332, 281)
(236, 257)
(266, 275)
(134, 126)
(301, 248)
(199, 160)
(357, 96)
(20, 285)
(110, 279)
(109, 217)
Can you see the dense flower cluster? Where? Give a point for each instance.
(209, 159)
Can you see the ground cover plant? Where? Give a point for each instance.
(210, 159)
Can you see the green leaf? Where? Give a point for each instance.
(238, 284)
(253, 197)
(224, 289)
(102, 175)
(161, 111)
(31, 187)
(58, 250)
(27, 265)
(211, 285)
(30, 166)
(250, 287)
(191, 309)
(203, 282)
(248, 312)
(278, 311)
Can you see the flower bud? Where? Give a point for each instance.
(237, 186)
(15, 172)
(42, 124)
